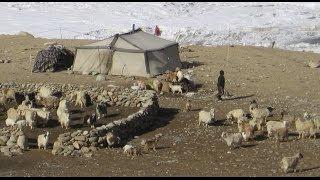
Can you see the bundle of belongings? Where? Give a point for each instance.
(53, 58)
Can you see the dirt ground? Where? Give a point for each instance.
(273, 77)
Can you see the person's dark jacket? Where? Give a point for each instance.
(221, 81)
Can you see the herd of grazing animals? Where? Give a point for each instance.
(249, 124)
(26, 114)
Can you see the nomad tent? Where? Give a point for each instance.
(135, 53)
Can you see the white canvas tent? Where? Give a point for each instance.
(136, 53)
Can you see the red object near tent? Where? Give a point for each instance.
(157, 31)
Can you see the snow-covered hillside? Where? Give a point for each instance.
(293, 25)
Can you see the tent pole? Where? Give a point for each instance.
(30, 63)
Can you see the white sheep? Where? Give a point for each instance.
(179, 75)
(8, 94)
(45, 92)
(261, 112)
(305, 128)
(43, 115)
(126, 148)
(63, 107)
(289, 164)
(233, 140)
(31, 118)
(81, 99)
(22, 142)
(11, 122)
(206, 117)
(131, 150)
(273, 126)
(43, 140)
(235, 114)
(112, 139)
(176, 88)
(65, 120)
(23, 107)
(14, 114)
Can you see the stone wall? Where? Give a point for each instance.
(80, 143)
(83, 143)
(114, 95)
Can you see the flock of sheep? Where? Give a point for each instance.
(172, 81)
(254, 123)
(27, 114)
(249, 124)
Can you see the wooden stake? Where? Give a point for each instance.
(30, 63)
(228, 53)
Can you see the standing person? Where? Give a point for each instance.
(133, 27)
(157, 31)
(220, 85)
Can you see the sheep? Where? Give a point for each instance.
(262, 112)
(22, 142)
(157, 85)
(130, 150)
(316, 122)
(141, 85)
(206, 117)
(63, 108)
(92, 120)
(151, 143)
(253, 105)
(81, 99)
(235, 114)
(21, 123)
(112, 139)
(274, 126)
(245, 128)
(65, 120)
(166, 87)
(8, 94)
(188, 105)
(289, 164)
(22, 107)
(11, 122)
(45, 92)
(287, 117)
(48, 102)
(305, 128)
(101, 110)
(43, 115)
(171, 77)
(30, 118)
(43, 140)
(179, 75)
(281, 134)
(233, 140)
(176, 88)
(14, 114)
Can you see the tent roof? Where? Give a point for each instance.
(136, 39)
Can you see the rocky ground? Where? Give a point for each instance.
(273, 77)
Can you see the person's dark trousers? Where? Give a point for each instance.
(220, 92)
